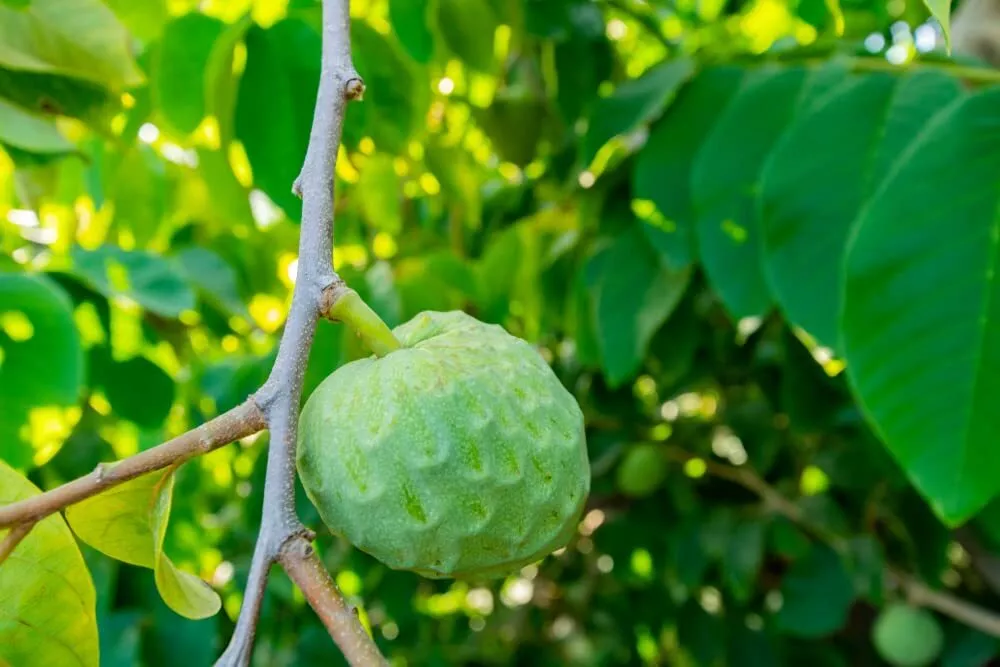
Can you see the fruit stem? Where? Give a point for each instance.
(351, 309)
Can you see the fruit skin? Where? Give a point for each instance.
(641, 471)
(459, 455)
(907, 636)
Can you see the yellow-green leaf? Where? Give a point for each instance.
(129, 523)
(941, 10)
(48, 605)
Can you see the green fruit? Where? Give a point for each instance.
(458, 455)
(907, 636)
(641, 471)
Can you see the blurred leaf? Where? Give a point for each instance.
(633, 104)
(140, 190)
(50, 94)
(582, 63)
(411, 22)
(129, 523)
(380, 194)
(213, 277)
(144, 20)
(663, 166)
(77, 38)
(138, 390)
(274, 110)
(743, 557)
(30, 132)
(899, 251)
(725, 175)
(179, 75)
(48, 612)
(751, 648)
(515, 123)
(396, 96)
(633, 292)
(970, 648)
(701, 634)
(380, 293)
(817, 594)
(468, 28)
(41, 367)
(121, 637)
(149, 280)
(819, 176)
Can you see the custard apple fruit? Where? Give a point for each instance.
(459, 455)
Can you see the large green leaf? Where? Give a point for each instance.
(921, 313)
(411, 22)
(138, 390)
(143, 19)
(941, 10)
(633, 291)
(129, 523)
(52, 94)
(179, 78)
(29, 132)
(41, 367)
(725, 176)
(468, 28)
(47, 599)
(820, 174)
(149, 280)
(662, 172)
(274, 110)
(76, 38)
(634, 103)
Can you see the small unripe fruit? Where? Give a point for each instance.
(907, 636)
(641, 471)
(458, 455)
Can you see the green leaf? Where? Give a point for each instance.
(583, 62)
(47, 599)
(396, 92)
(138, 390)
(634, 103)
(274, 110)
(145, 20)
(725, 176)
(468, 28)
(148, 279)
(743, 557)
(31, 133)
(180, 66)
(213, 276)
(50, 94)
(380, 194)
(941, 10)
(140, 189)
(819, 176)
(921, 313)
(663, 167)
(41, 368)
(76, 38)
(129, 523)
(633, 291)
(817, 594)
(410, 21)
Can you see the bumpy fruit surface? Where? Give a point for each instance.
(907, 636)
(459, 455)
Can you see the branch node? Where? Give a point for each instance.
(101, 472)
(297, 186)
(354, 89)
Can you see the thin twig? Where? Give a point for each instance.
(13, 538)
(243, 420)
(917, 592)
(341, 621)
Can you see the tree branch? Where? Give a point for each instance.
(282, 536)
(243, 420)
(13, 538)
(917, 592)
